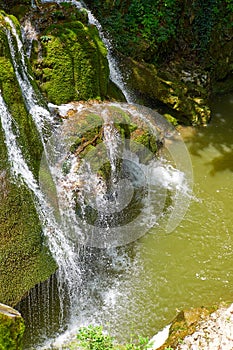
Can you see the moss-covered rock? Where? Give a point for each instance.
(84, 134)
(24, 258)
(69, 59)
(182, 92)
(90, 122)
(11, 328)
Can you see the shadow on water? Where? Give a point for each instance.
(215, 136)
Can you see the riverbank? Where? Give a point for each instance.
(210, 332)
(214, 333)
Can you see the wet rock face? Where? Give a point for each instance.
(181, 92)
(11, 328)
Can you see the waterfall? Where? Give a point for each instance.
(63, 251)
(63, 229)
(39, 113)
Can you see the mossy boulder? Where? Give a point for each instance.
(89, 124)
(69, 59)
(87, 129)
(180, 91)
(11, 328)
(24, 257)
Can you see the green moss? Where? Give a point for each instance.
(114, 93)
(186, 100)
(11, 332)
(171, 119)
(73, 64)
(24, 259)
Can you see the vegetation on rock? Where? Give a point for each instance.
(11, 328)
(176, 54)
(69, 60)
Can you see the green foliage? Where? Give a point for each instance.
(229, 5)
(92, 338)
(161, 30)
(142, 28)
(45, 38)
(11, 332)
(142, 343)
(206, 15)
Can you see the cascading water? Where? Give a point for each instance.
(39, 113)
(82, 283)
(62, 249)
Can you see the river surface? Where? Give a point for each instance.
(138, 289)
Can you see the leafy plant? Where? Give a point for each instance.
(142, 344)
(45, 38)
(93, 338)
